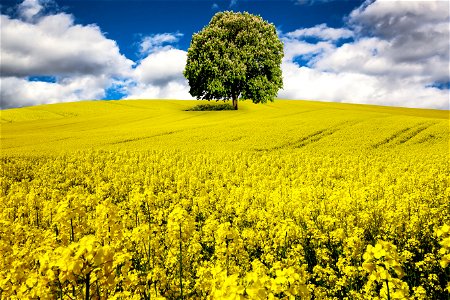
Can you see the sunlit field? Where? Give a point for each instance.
(288, 200)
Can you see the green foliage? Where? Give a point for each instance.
(236, 56)
(209, 107)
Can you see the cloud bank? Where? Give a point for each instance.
(388, 53)
(399, 56)
(82, 61)
(159, 75)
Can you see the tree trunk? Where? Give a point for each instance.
(235, 103)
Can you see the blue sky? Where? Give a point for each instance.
(128, 21)
(375, 52)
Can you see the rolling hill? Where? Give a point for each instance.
(282, 125)
(289, 200)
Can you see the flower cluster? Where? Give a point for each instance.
(246, 225)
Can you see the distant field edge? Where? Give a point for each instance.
(397, 110)
(410, 111)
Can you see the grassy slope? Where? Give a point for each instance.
(290, 125)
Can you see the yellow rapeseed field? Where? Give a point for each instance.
(289, 200)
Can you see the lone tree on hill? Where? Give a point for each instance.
(236, 56)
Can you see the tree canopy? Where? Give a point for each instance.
(236, 56)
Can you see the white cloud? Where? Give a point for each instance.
(416, 33)
(54, 45)
(171, 90)
(294, 48)
(17, 92)
(392, 19)
(83, 61)
(161, 67)
(400, 51)
(321, 31)
(312, 84)
(157, 42)
(363, 56)
(160, 76)
(29, 9)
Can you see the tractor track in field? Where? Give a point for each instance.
(39, 143)
(144, 137)
(313, 137)
(404, 135)
(304, 141)
(296, 113)
(159, 134)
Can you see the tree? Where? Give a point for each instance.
(236, 56)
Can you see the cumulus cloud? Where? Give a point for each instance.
(312, 84)
(411, 34)
(171, 90)
(322, 31)
(54, 45)
(161, 67)
(82, 60)
(296, 48)
(295, 43)
(17, 92)
(28, 9)
(160, 74)
(158, 42)
(398, 55)
(392, 19)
